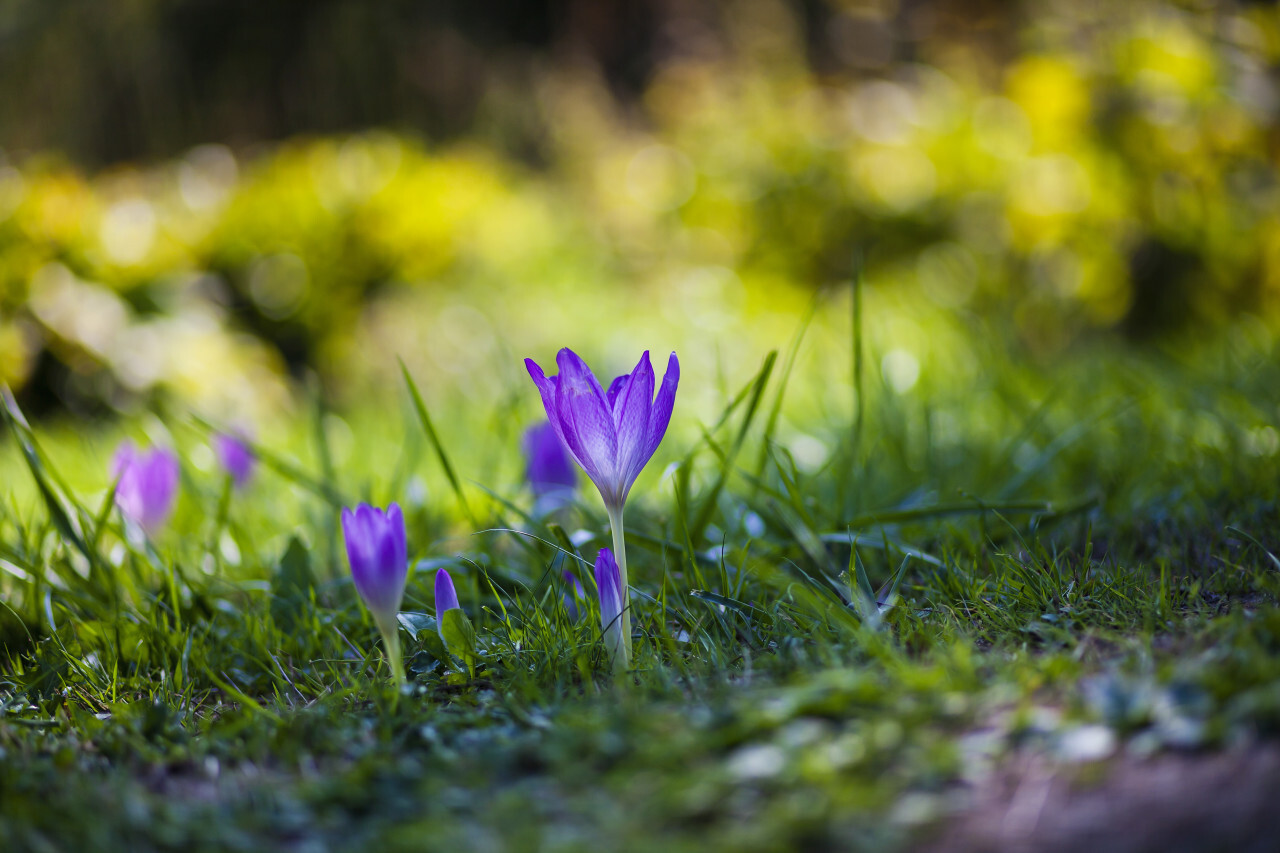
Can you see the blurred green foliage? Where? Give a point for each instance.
(1106, 169)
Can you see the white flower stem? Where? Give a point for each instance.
(622, 658)
(391, 647)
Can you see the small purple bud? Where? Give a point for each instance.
(609, 585)
(379, 556)
(573, 594)
(549, 468)
(146, 485)
(236, 457)
(446, 599)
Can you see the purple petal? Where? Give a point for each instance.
(615, 389)
(395, 519)
(547, 390)
(632, 419)
(586, 422)
(446, 595)
(663, 406)
(609, 587)
(377, 552)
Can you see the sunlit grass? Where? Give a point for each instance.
(1087, 541)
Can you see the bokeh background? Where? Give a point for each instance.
(229, 206)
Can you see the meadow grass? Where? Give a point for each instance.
(828, 651)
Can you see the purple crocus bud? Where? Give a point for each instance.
(610, 435)
(572, 595)
(379, 557)
(609, 585)
(549, 467)
(146, 485)
(236, 457)
(446, 599)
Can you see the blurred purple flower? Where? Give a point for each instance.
(146, 485)
(446, 599)
(379, 556)
(549, 467)
(236, 457)
(611, 435)
(573, 594)
(609, 585)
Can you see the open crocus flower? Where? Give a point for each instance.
(236, 457)
(146, 485)
(611, 435)
(549, 469)
(379, 556)
(612, 612)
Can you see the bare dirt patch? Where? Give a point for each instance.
(1170, 802)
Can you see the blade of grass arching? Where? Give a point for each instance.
(793, 494)
(887, 593)
(861, 585)
(756, 386)
(407, 463)
(58, 514)
(793, 349)
(802, 534)
(425, 419)
(323, 449)
(1272, 557)
(928, 513)
(743, 608)
(691, 562)
(520, 513)
(103, 515)
(892, 544)
(1060, 443)
(657, 545)
(282, 467)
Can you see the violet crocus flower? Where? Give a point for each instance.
(146, 485)
(379, 556)
(549, 469)
(611, 435)
(446, 599)
(612, 608)
(236, 457)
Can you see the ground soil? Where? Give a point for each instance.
(1228, 801)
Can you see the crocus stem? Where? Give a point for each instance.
(622, 661)
(391, 645)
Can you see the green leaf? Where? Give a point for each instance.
(423, 629)
(432, 436)
(459, 636)
(291, 586)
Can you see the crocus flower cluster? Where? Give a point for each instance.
(146, 485)
(612, 435)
